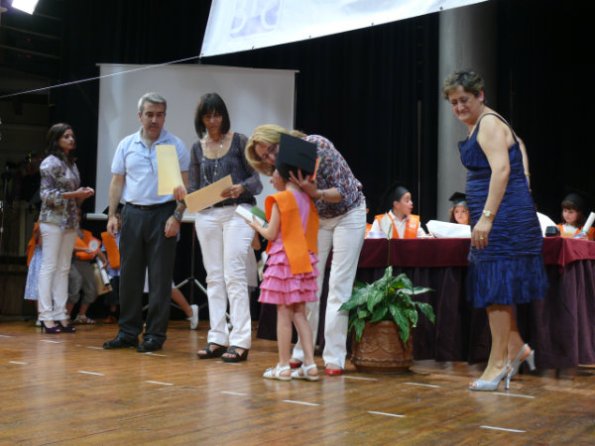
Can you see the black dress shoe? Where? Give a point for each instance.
(119, 342)
(150, 345)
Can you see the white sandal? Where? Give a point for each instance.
(304, 373)
(276, 373)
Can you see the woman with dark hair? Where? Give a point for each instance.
(225, 240)
(61, 197)
(505, 261)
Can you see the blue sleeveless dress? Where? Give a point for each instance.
(510, 269)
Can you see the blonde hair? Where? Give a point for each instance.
(268, 134)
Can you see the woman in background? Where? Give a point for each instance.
(61, 197)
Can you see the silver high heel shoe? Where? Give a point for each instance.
(490, 386)
(518, 360)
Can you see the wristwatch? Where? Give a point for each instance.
(488, 214)
(178, 215)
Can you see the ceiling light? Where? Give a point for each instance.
(27, 6)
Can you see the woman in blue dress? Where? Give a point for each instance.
(505, 259)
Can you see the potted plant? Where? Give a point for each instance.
(381, 316)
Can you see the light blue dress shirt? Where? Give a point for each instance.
(138, 164)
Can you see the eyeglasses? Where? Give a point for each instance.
(271, 153)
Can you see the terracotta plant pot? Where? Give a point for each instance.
(381, 350)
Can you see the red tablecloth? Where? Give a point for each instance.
(439, 253)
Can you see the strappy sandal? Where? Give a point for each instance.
(276, 373)
(211, 352)
(234, 355)
(304, 373)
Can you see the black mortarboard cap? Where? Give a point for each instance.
(457, 197)
(295, 152)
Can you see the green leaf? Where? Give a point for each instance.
(411, 315)
(375, 297)
(379, 314)
(359, 329)
(427, 311)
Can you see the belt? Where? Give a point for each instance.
(148, 207)
(234, 202)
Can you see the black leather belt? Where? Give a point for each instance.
(148, 207)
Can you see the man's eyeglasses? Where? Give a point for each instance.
(270, 153)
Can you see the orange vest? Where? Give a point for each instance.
(590, 234)
(411, 226)
(80, 244)
(111, 247)
(33, 242)
(297, 245)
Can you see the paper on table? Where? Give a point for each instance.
(208, 195)
(444, 229)
(168, 169)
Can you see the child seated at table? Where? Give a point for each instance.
(398, 222)
(459, 211)
(573, 217)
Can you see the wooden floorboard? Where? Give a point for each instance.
(66, 390)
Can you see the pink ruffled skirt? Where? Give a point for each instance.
(279, 286)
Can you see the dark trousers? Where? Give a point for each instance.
(143, 245)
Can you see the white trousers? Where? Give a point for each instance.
(53, 273)
(225, 241)
(345, 236)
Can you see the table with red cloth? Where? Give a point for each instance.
(561, 327)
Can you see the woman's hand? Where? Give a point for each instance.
(481, 231)
(233, 192)
(305, 183)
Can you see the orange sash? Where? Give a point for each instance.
(297, 245)
(32, 242)
(411, 226)
(590, 234)
(111, 247)
(81, 244)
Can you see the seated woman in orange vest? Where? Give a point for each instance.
(573, 217)
(398, 222)
(82, 275)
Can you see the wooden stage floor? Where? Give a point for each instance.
(66, 390)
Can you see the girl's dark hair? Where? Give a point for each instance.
(53, 141)
(211, 103)
(575, 202)
(285, 169)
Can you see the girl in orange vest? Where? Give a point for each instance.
(399, 221)
(33, 264)
(573, 217)
(289, 280)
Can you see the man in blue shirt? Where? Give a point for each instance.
(150, 223)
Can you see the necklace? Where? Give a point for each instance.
(213, 162)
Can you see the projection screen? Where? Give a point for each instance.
(253, 97)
